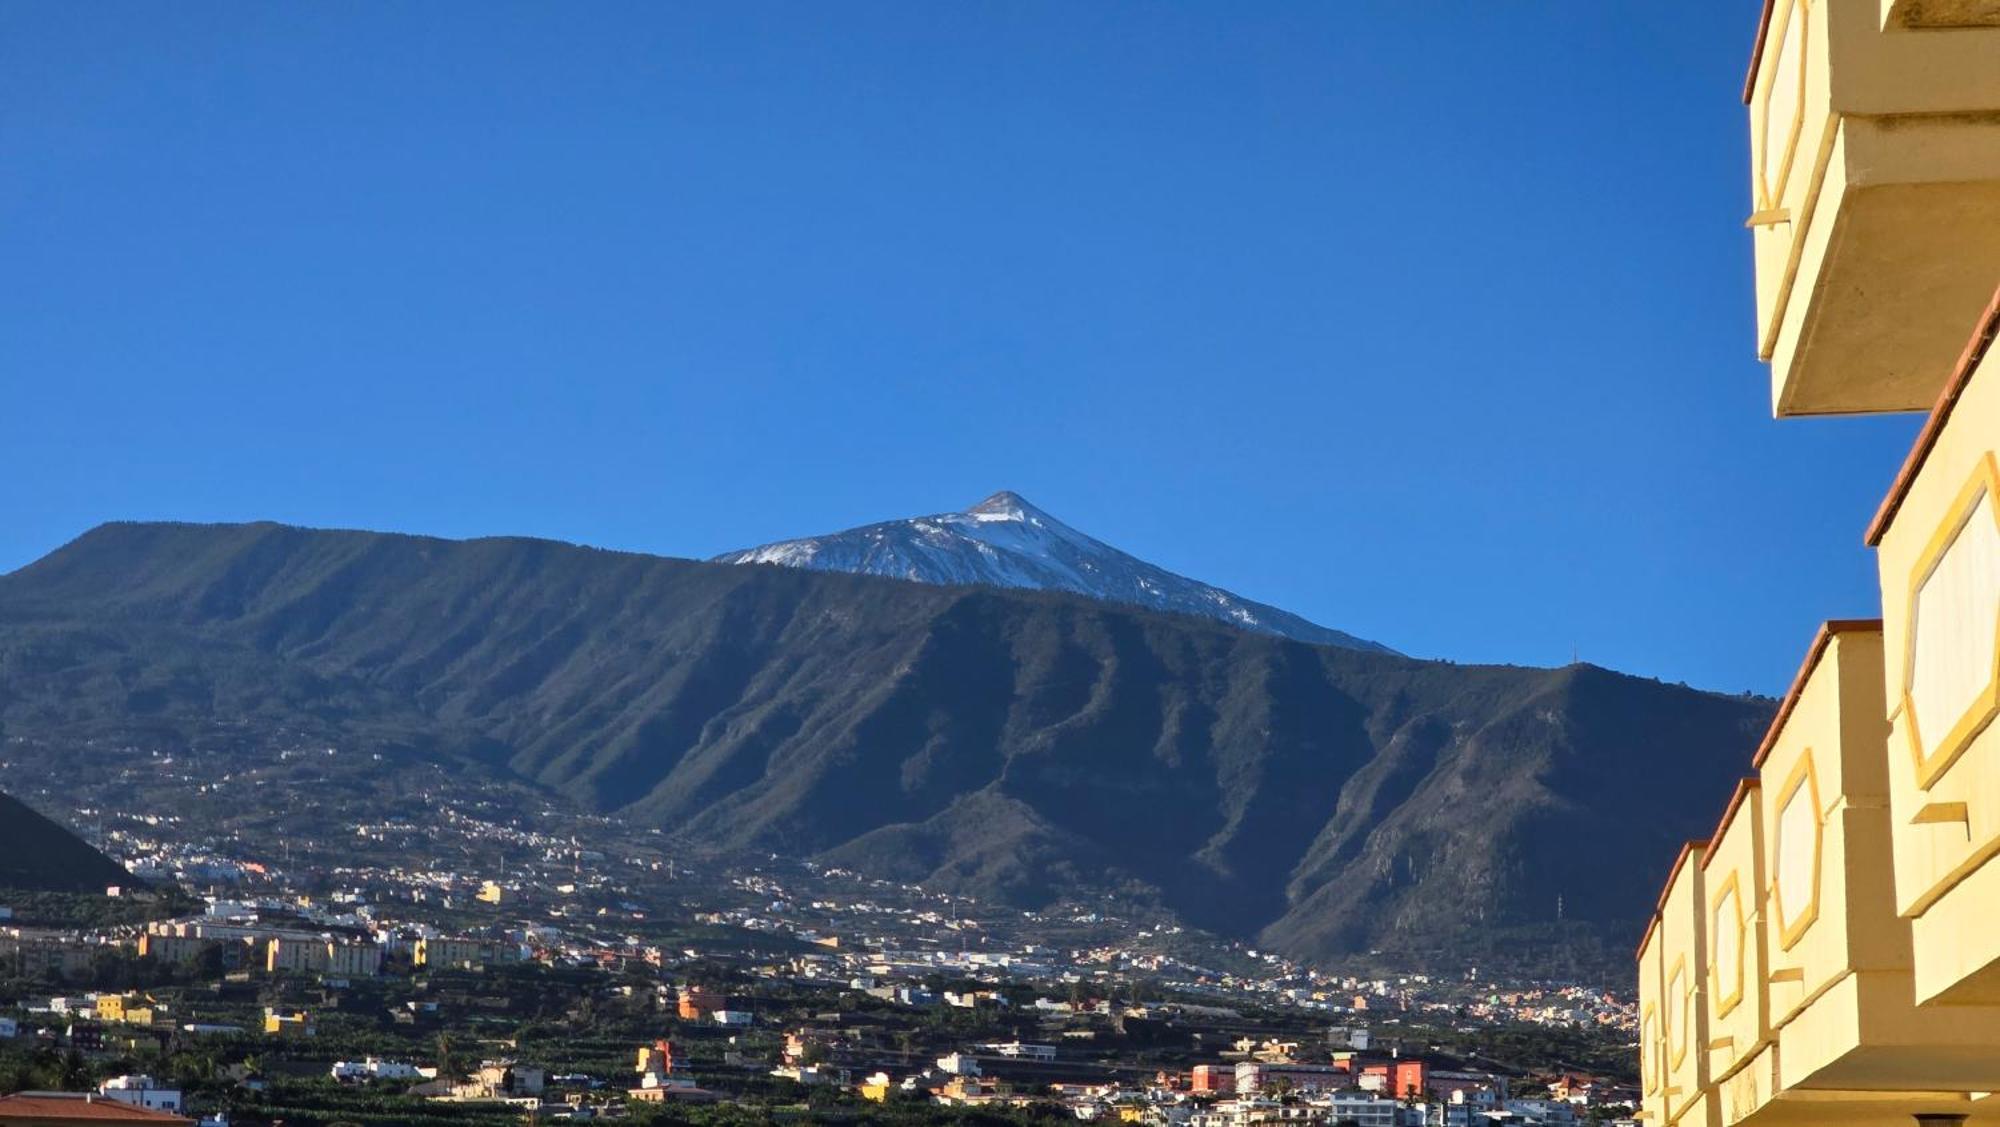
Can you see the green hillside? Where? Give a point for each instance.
(38, 854)
(1006, 743)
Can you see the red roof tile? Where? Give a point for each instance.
(78, 1107)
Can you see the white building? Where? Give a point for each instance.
(375, 1068)
(958, 1064)
(1542, 1113)
(1348, 1037)
(140, 1090)
(1023, 1051)
(1254, 1076)
(1368, 1111)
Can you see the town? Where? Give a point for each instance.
(464, 961)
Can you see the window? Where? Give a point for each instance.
(1784, 103)
(1795, 892)
(1680, 1012)
(1725, 963)
(1950, 673)
(1649, 1050)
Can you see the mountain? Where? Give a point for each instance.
(1018, 745)
(38, 854)
(1004, 541)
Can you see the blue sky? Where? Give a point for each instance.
(1429, 322)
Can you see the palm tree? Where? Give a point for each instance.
(74, 1073)
(450, 1068)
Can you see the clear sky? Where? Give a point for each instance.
(1431, 322)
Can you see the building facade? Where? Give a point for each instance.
(1828, 955)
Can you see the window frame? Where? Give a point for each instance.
(1732, 890)
(1979, 712)
(1804, 776)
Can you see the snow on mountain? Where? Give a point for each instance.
(1004, 541)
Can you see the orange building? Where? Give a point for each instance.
(1212, 1078)
(697, 1003)
(1399, 1079)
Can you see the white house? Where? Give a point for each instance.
(1023, 1051)
(374, 1068)
(958, 1064)
(143, 1091)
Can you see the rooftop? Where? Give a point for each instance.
(77, 1107)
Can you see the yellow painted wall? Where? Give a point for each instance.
(1745, 1095)
(1683, 981)
(1839, 955)
(1734, 878)
(1652, 1043)
(1875, 202)
(1945, 785)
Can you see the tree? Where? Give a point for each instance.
(451, 1068)
(14, 1076)
(73, 1074)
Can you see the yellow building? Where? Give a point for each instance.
(168, 948)
(1937, 541)
(298, 956)
(1848, 900)
(1688, 1096)
(1739, 1019)
(126, 1009)
(1875, 195)
(323, 956)
(1652, 1040)
(288, 1023)
(442, 952)
(1847, 1031)
(354, 960)
(492, 893)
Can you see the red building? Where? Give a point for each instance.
(1217, 1078)
(1400, 1079)
(697, 1003)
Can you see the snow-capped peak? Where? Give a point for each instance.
(1005, 505)
(1004, 541)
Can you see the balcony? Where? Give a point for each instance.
(1875, 184)
(1937, 542)
(1682, 1002)
(1739, 1020)
(1838, 961)
(1652, 1036)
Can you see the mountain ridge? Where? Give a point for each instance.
(1019, 745)
(1005, 541)
(39, 854)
